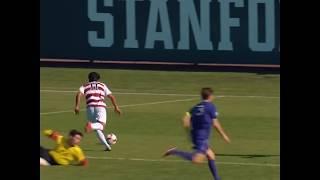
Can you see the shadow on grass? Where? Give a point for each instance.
(249, 155)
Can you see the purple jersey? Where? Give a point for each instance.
(202, 116)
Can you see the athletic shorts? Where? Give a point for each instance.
(97, 114)
(44, 153)
(200, 146)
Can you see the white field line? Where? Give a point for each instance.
(162, 94)
(168, 160)
(128, 105)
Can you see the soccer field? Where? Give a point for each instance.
(153, 103)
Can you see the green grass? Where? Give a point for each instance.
(145, 131)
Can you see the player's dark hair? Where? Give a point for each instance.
(206, 92)
(74, 132)
(93, 76)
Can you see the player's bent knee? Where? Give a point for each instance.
(198, 158)
(196, 161)
(44, 162)
(211, 158)
(210, 154)
(102, 123)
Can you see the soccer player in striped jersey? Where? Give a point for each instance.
(95, 93)
(199, 121)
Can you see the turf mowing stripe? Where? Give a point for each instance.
(128, 105)
(159, 102)
(128, 93)
(72, 88)
(163, 160)
(57, 112)
(160, 94)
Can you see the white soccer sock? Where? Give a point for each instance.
(96, 126)
(44, 162)
(102, 138)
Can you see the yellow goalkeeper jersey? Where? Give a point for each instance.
(64, 154)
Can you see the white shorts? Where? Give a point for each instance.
(95, 114)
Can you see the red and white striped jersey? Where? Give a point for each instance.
(95, 92)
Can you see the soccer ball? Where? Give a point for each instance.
(112, 138)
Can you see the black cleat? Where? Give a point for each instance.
(107, 149)
(168, 152)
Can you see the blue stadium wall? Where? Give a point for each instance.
(197, 31)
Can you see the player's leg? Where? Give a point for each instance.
(98, 126)
(90, 119)
(96, 121)
(196, 157)
(201, 148)
(96, 118)
(45, 158)
(211, 163)
(176, 152)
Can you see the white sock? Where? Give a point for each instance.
(44, 162)
(102, 138)
(96, 126)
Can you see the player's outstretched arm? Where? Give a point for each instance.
(54, 135)
(83, 162)
(114, 103)
(77, 106)
(186, 120)
(217, 125)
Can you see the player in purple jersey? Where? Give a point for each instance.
(199, 121)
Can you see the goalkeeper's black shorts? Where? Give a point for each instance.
(44, 153)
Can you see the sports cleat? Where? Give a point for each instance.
(169, 152)
(88, 128)
(108, 149)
